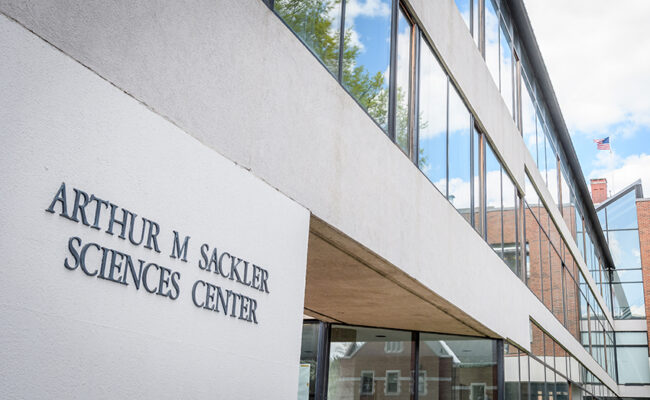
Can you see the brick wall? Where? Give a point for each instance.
(643, 217)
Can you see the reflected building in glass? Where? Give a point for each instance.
(454, 250)
(625, 219)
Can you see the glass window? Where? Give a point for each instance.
(462, 367)
(631, 338)
(533, 243)
(355, 351)
(511, 371)
(506, 69)
(633, 365)
(601, 219)
(367, 382)
(551, 169)
(627, 275)
(621, 214)
(528, 128)
(492, 40)
(404, 35)
(493, 200)
(510, 219)
(628, 300)
(541, 147)
(625, 248)
(318, 24)
(432, 135)
(523, 375)
(475, 21)
(366, 61)
(459, 154)
(556, 286)
(308, 358)
(477, 157)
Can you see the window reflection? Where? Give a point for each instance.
(458, 367)
(432, 135)
(364, 361)
(459, 154)
(621, 214)
(625, 248)
(494, 227)
(492, 40)
(366, 58)
(318, 24)
(506, 69)
(628, 299)
(404, 35)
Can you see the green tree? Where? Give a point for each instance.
(317, 24)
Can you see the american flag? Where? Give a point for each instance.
(603, 144)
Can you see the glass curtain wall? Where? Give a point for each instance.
(546, 372)
(632, 352)
(554, 277)
(374, 363)
(618, 218)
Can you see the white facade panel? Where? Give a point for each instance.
(66, 334)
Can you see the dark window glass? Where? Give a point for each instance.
(404, 35)
(523, 376)
(308, 358)
(318, 24)
(458, 367)
(511, 372)
(432, 135)
(459, 154)
(366, 66)
(621, 214)
(357, 352)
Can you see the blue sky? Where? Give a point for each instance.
(599, 63)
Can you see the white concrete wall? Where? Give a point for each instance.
(67, 335)
(240, 82)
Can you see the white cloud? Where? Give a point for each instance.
(621, 172)
(597, 55)
(368, 8)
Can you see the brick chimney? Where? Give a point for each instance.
(598, 190)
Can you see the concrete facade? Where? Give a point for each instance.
(271, 114)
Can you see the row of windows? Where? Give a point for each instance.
(443, 140)
(354, 362)
(545, 373)
(363, 362)
(385, 62)
(506, 61)
(553, 274)
(619, 221)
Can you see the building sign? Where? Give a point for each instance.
(156, 278)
